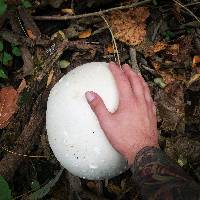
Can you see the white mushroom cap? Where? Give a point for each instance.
(74, 133)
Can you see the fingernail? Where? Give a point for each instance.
(90, 96)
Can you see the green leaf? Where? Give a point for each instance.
(160, 82)
(1, 45)
(16, 51)
(2, 75)
(168, 35)
(3, 7)
(26, 4)
(64, 64)
(5, 192)
(6, 58)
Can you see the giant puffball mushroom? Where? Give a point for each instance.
(74, 133)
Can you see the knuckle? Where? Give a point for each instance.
(123, 78)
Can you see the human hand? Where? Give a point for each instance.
(134, 125)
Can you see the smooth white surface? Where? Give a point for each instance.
(74, 133)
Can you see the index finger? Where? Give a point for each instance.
(123, 85)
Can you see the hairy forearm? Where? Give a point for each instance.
(160, 178)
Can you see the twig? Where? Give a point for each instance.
(134, 64)
(156, 30)
(113, 40)
(24, 155)
(192, 4)
(188, 10)
(91, 14)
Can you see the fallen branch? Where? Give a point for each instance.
(188, 10)
(99, 13)
(31, 131)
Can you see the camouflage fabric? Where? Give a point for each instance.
(160, 178)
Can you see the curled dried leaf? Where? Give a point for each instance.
(85, 34)
(170, 105)
(110, 49)
(68, 11)
(8, 105)
(129, 26)
(173, 49)
(195, 61)
(22, 86)
(159, 46)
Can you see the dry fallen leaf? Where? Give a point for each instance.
(112, 188)
(95, 186)
(50, 77)
(22, 86)
(173, 49)
(31, 35)
(8, 105)
(195, 61)
(156, 65)
(28, 61)
(129, 26)
(170, 106)
(159, 46)
(110, 49)
(193, 79)
(68, 11)
(85, 34)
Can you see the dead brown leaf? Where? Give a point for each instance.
(110, 49)
(173, 49)
(170, 105)
(50, 77)
(22, 86)
(31, 35)
(95, 186)
(156, 65)
(170, 77)
(114, 188)
(196, 60)
(85, 34)
(28, 61)
(8, 105)
(68, 11)
(129, 26)
(193, 79)
(159, 46)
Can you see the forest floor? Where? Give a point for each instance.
(42, 40)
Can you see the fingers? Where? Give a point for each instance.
(140, 88)
(123, 85)
(135, 81)
(98, 106)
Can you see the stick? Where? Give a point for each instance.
(188, 10)
(134, 63)
(113, 40)
(66, 17)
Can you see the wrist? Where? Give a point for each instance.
(132, 155)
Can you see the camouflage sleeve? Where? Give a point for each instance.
(160, 178)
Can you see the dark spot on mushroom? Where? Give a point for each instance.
(76, 157)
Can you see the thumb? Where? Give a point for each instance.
(98, 106)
